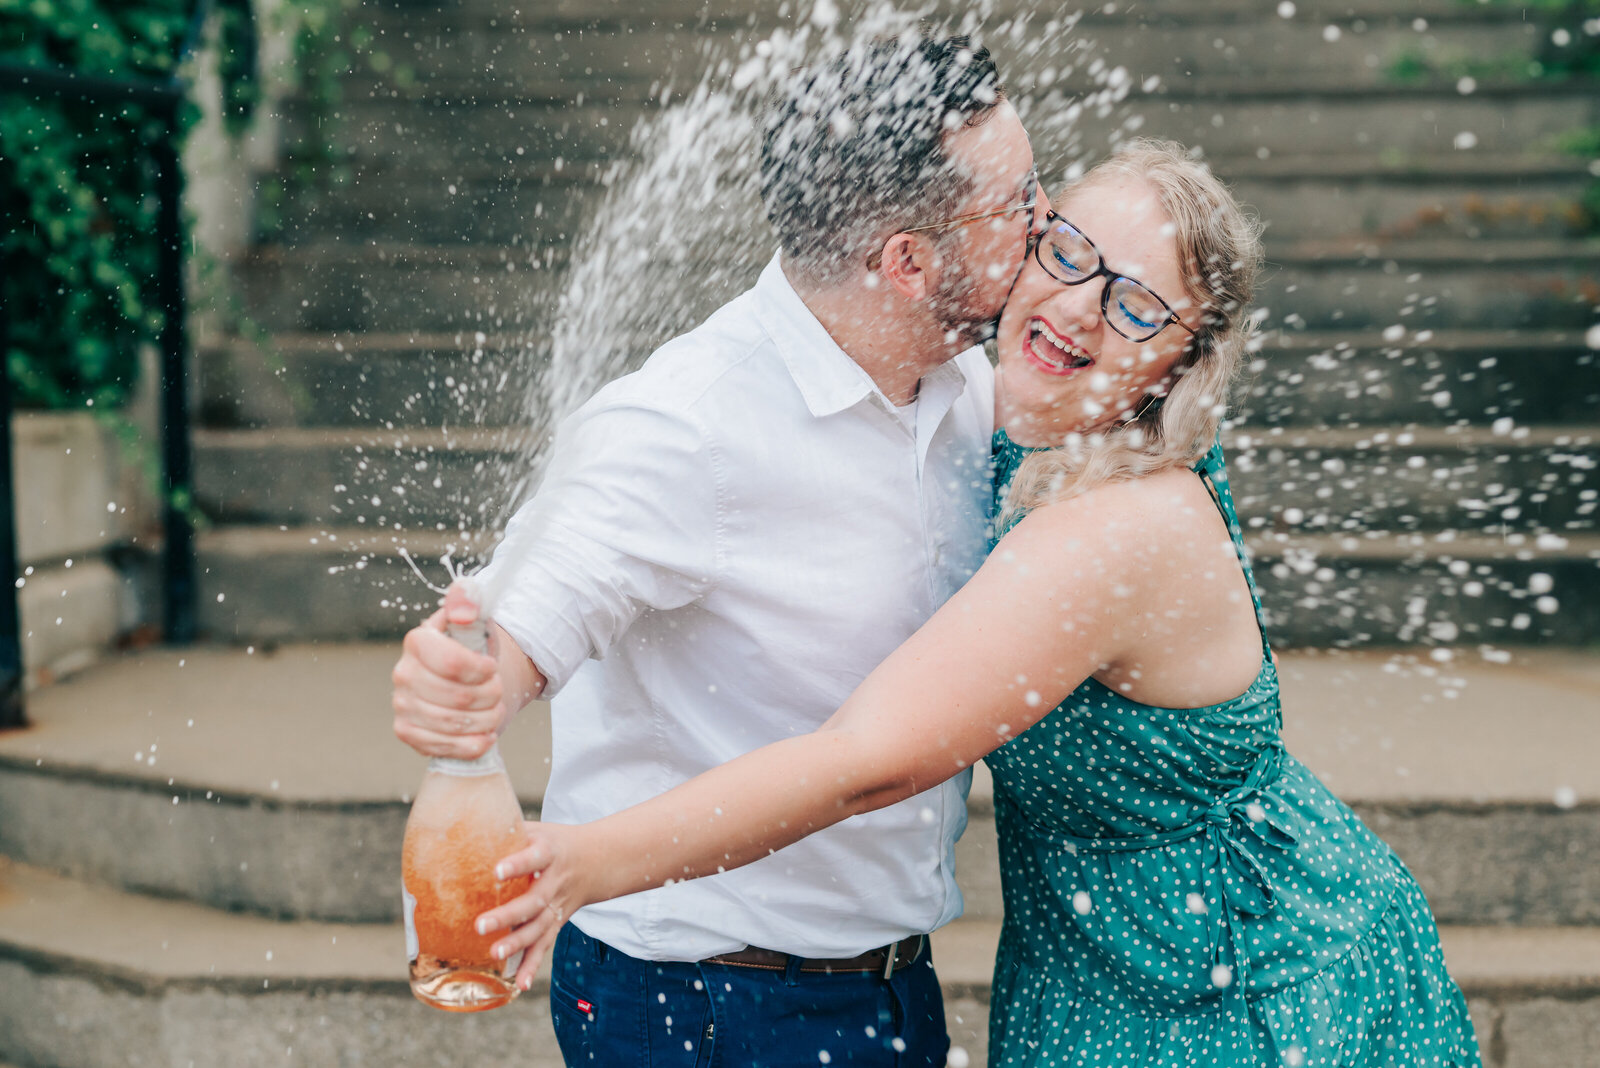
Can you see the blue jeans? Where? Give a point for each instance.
(617, 1011)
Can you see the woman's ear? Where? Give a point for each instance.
(905, 265)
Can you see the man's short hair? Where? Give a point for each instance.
(854, 150)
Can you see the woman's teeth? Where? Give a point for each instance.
(1054, 350)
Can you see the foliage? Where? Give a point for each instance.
(1568, 48)
(330, 42)
(79, 193)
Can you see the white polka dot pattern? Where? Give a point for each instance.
(1179, 891)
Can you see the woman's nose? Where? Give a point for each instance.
(1079, 305)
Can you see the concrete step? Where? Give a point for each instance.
(1346, 284)
(1391, 589)
(1226, 115)
(424, 48)
(1409, 377)
(155, 982)
(1458, 195)
(1303, 480)
(1401, 199)
(1460, 479)
(268, 781)
(613, 14)
(94, 978)
(1341, 590)
(1428, 284)
(1299, 378)
(369, 380)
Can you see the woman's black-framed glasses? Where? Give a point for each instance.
(1131, 308)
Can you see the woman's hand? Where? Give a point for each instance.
(562, 883)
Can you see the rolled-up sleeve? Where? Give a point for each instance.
(625, 520)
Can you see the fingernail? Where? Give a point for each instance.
(501, 872)
(499, 952)
(483, 926)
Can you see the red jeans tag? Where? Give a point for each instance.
(584, 1006)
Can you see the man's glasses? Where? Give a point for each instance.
(1070, 258)
(1027, 205)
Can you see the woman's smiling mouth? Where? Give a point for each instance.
(1050, 351)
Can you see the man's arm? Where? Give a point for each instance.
(624, 522)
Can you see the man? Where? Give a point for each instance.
(730, 539)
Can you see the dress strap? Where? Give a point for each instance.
(1213, 471)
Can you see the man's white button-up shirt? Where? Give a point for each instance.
(726, 542)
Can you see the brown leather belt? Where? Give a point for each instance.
(885, 960)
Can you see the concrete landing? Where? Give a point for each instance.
(271, 782)
(313, 723)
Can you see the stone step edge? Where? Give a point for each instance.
(1173, 12)
(980, 805)
(247, 541)
(1320, 252)
(1342, 167)
(148, 945)
(425, 343)
(1337, 438)
(1221, 90)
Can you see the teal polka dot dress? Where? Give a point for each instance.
(1180, 891)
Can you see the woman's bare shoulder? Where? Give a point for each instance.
(1167, 501)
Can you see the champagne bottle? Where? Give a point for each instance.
(465, 818)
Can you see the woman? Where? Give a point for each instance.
(1178, 889)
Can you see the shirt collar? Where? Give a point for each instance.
(828, 379)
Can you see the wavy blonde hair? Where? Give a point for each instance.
(1219, 252)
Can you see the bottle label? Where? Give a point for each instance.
(413, 947)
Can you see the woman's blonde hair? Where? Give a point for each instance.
(1219, 252)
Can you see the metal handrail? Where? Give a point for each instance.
(179, 585)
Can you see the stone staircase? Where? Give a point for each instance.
(1416, 453)
(199, 850)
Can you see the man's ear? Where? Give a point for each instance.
(906, 265)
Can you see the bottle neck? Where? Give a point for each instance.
(488, 764)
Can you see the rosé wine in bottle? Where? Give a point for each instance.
(465, 819)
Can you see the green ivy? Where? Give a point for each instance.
(79, 191)
(1568, 49)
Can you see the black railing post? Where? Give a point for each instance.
(180, 604)
(165, 99)
(13, 710)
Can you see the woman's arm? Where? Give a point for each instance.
(1049, 608)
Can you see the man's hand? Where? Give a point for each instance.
(448, 700)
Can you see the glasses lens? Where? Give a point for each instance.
(1067, 254)
(1137, 313)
